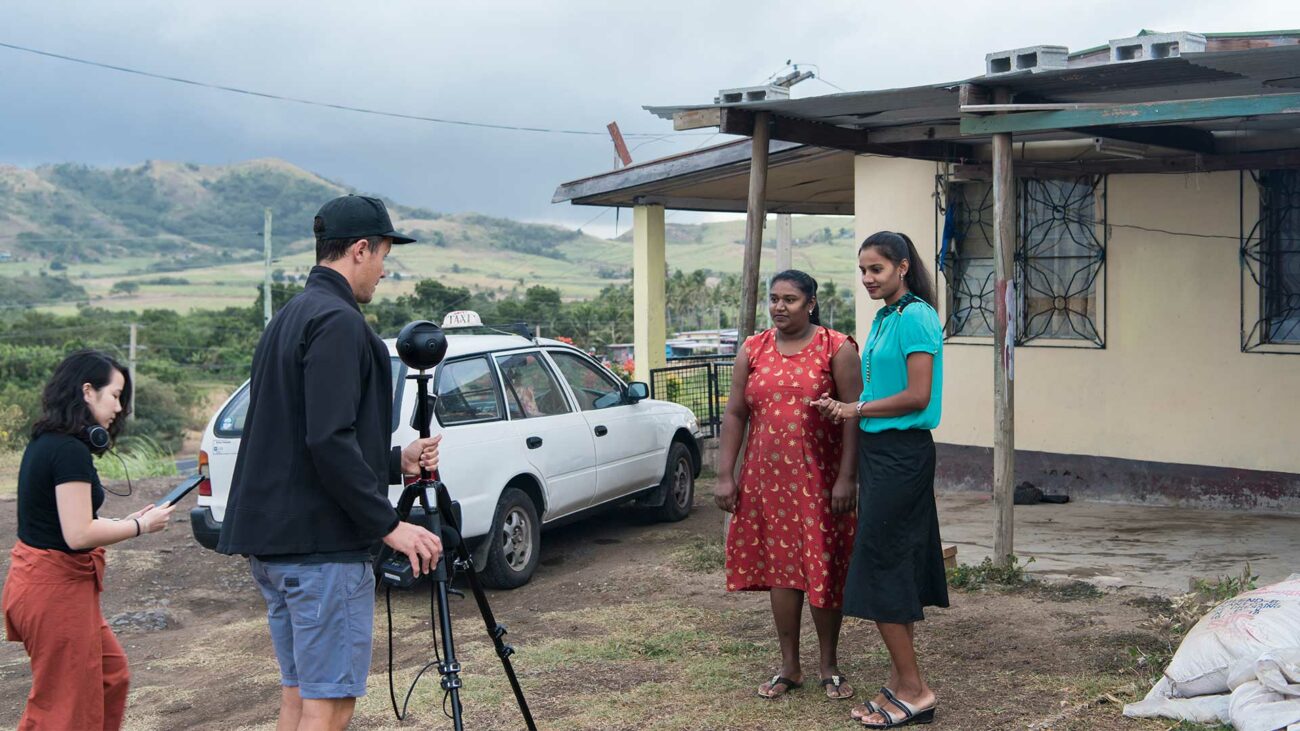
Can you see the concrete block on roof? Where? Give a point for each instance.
(1030, 58)
(1155, 45)
(741, 94)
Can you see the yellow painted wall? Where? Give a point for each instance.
(1172, 384)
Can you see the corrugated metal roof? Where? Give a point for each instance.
(1192, 76)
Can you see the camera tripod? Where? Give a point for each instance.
(443, 519)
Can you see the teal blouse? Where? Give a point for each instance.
(896, 334)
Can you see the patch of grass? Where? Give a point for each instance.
(136, 457)
(989, 574)
(1068, 591)
(701, 554)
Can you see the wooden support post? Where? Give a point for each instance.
(784, 242)
(1004, 442)
(648, 284)
(754, 220)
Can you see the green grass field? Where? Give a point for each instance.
(590, 264)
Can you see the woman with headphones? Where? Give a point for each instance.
(56, 569)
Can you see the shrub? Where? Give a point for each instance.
(987, 573)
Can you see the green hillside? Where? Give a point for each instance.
(183, 236)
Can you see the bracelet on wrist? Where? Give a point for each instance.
(137, 527)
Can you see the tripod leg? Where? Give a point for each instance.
(495, 631)
(450, 667)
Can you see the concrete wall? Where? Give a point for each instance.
(1172, 385)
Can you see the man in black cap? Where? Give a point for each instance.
(309, 495)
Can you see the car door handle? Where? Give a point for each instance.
(533, 442)
(601, 431)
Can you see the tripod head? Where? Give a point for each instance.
(422, 345)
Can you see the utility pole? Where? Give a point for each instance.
(266, 273)
(130, 369)
(784, 242)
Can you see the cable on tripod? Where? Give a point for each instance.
(392, 691)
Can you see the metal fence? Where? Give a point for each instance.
(699, 384)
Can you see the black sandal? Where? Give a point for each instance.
(911, 715)
(775, 681)
(870, 707)
(837, 681)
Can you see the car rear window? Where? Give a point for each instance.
(230, 422)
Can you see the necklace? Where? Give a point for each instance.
(884, 312)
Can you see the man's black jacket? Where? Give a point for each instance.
(314, 461)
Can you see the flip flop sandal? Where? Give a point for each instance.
(837, 681)
(775, 681)
(910, 716)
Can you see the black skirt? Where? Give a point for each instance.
(897, 564)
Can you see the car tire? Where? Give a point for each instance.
(514, 541)
(678, 485)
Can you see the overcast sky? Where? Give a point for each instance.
(541, 63)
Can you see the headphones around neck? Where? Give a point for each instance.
(96, 437)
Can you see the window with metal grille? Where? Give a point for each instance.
(1279, 256)
(966, 258)
(1060, 260)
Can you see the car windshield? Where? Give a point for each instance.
(230, 422)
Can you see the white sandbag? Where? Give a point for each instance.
(1208, 709)
(1240, 629)
(1272, 700)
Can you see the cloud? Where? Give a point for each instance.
(572, 65)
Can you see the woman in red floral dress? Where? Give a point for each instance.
(793, 520)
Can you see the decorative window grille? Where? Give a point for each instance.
(966, 258)
(1060, 260)
(1270, 261)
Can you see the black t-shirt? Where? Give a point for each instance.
(52, 459)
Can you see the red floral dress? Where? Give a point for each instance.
(783, 533)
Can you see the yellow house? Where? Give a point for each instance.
(1130, 214)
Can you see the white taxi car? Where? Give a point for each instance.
(534, 432)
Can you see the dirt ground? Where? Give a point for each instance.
(625, 626)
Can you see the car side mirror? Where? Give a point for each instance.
(636, 391)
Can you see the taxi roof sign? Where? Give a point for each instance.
(461, 319)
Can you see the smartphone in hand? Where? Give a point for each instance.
(180, 491)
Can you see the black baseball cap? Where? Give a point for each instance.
(356, 216)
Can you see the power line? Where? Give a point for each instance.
(328, 105)
(156, 237)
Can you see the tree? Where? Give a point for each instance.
(123, 286)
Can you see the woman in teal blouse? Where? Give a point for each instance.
(897, 563)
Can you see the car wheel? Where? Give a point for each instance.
(678, 485)
(513, 542)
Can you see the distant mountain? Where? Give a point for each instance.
(71, 233)
(182, 211)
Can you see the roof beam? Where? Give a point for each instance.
(1152, 165)
(696, 118)
(819, 134)
(1161, 112)
(1175, 138)
(686, 203)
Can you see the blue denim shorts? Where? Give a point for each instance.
(321, 616)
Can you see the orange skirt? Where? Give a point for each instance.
(79, 671)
